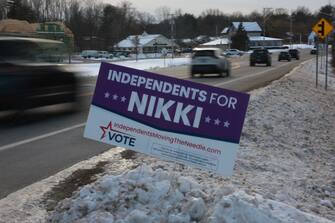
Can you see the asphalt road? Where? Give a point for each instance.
(44, 141)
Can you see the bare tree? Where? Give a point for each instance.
(3, 9)
(163, 13)
(136, 42)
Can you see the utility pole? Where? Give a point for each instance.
(266, 15)
(172, 23)
(300, 38)
(291, 30)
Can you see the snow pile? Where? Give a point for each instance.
(139, 196)
(144, 195)
(241, 207)
(92, 69)
(299, 46)
(286, 162)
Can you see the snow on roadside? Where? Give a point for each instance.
(300, 46)
(28, 204)
(145, 195)
(284, 170)
(286, 165)
(92, 69)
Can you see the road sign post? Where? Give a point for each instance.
(317, 62)
(326, 80)
(323, 28)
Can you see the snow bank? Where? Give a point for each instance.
(285, 162)
(241, 207)
(92, 69)
(299, 46)
(144, 195)
(138, 196)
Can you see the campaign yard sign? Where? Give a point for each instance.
(169, 118)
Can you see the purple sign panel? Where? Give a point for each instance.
(185, 121)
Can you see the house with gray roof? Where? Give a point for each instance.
(252, 28)
(145, 43)
(254, 32)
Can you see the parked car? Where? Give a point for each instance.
(233, 52)
(104, 54)
(87, 54)
(29, 77)
(260, 56)
(294, 53)
(313, 51)
(209, 61)
(284, 55)
(186, 50)
(121, 54)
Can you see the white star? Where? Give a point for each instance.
(115, 97)
(107, 95)
(123, 99)
(217, 121)
(207, 119)
(226, 124)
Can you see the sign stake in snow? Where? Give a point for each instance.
(169, 118)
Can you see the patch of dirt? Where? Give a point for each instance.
(128, 154)
(72, 183)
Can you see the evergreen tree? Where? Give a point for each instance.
(240, 40)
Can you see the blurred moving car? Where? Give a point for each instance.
(262, 56)
(294, 53)
(29, 77)
(233, 52)
(284, 55)
(313, 51)
(87, 54)
(209, 61)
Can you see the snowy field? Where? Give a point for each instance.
(293, 46)
(92, 69)
(284, 173)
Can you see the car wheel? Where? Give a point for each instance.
(268, 64)
(252, 64)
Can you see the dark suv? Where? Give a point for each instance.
(260, 56)
(284, 55)
(294, 53)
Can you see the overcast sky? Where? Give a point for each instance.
(227, 6)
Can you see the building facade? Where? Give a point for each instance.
(145, 43)
(254, 32)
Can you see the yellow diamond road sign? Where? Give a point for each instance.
(323, 28)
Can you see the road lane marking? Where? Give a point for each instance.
(9, 146)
